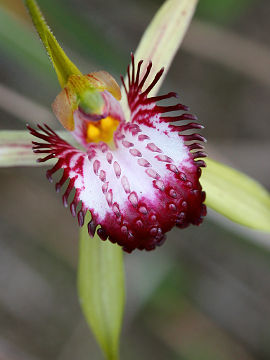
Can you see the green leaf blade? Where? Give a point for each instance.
(236, 196)
(101, 290)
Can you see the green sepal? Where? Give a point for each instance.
(236, 196)
(101, 289)
(161, 40)
(62, 65)
(16, 148)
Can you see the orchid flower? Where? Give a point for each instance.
(133, 169)
(138, 176)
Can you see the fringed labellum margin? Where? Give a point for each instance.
(140, 181)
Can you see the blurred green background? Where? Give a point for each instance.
(205, 294)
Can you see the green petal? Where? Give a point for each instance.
(162, 38)
(101, 290)
(16, 148)
(62, 65)
(236, 196)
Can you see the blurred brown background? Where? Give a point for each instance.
(204, 295)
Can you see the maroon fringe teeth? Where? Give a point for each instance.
(145, 186)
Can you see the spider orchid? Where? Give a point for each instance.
(138, 177)
(132, 172)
